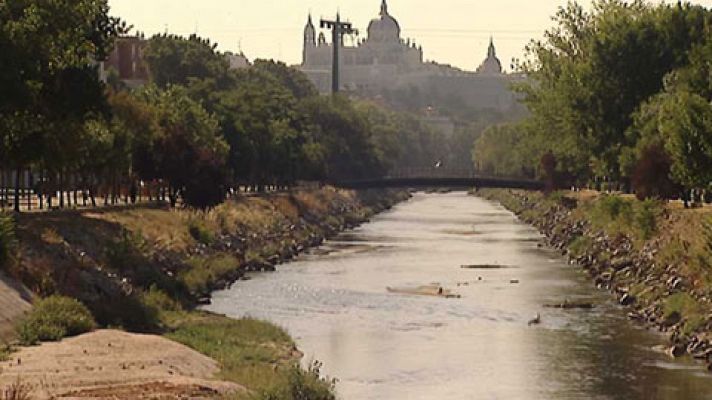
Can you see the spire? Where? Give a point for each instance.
(491, 52)
(384, 8)
(309, 32)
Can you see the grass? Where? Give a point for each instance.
(202, 271)
(250, 352)
(5, 351)
(692, 312)
(617, 215)
(580, 246)
(199, 230)
(54, 318)
(8, 241)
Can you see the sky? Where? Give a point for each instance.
(453, 32)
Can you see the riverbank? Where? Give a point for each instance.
(654, 257)
(145, 269)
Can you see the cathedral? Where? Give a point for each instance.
(386, 61)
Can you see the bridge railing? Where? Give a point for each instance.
(447, 173)
(430, 172)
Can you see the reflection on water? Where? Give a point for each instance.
(384, 345)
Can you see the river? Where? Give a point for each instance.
(383, 345)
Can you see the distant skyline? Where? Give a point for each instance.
(453, 32)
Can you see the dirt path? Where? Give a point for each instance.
(111, 364)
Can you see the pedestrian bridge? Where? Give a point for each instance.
(440, 178)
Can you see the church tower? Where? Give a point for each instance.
(309, 39)
(491, 65)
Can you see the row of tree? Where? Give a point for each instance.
(199, 128)
(617, 94)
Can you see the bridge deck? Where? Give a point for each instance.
(449, 182)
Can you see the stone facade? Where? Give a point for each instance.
(126, 61)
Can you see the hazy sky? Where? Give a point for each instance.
(450, 31)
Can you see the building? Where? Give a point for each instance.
(237, 61)
(126, 62)
(384, 61)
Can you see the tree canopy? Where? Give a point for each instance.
(608, 87)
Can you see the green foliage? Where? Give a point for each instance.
(253, 353)
(126, 253)
(580, 246)
(593, 71)
(619, 215)
(645, 218)
(203, 271)
(159, 301)
(188, 150)
(691, 311)
(200, 232)
(8, 242)
(687, 127)
(174, 60)
(612, 208)
(303, 385)
(707, 236)
(54, 318)
(495, 151)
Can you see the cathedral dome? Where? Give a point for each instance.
(385, 28)
(491, 65)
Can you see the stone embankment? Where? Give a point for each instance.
(617, 265)
(291, 235)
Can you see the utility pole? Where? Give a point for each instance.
(338, 30)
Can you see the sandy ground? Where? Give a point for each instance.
(109, 364)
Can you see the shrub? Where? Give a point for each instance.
(616, 215)
(651, 177)
(692, 312)
(159, 301)
(580, 246)
(54, 318)
(127, 252)
(645, 218)
(7, 239)
(203, 271)
(303, 385)
(200, 232)
(611, 208)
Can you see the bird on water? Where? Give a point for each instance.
(534, 321)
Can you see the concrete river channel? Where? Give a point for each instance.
(383, 344)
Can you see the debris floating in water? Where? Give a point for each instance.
(485, 266)
(427, 290)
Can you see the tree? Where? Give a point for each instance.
(188, 151)
(175, 60)
(292, 79)
(686, 126)
(651, 176)
(48, 49)
(593, 71)
(344, 134)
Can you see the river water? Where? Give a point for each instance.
(383, 345)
